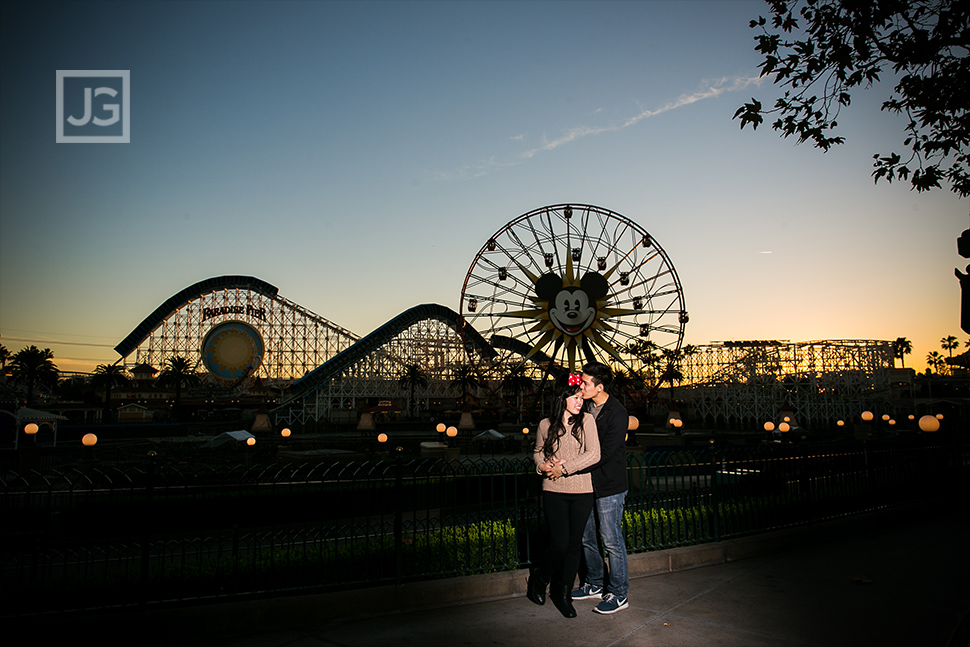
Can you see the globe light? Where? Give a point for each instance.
(250, 441)
(783, 427)
(867, 415)
(939, 416)
(891, 421)
(451, 432)
(89, 440)
(786, 419)
(31, 429)
(440, 428)
(769, 426)
(382, 438)
(912, 417)
(285, 433)
(885, 416)
(525, 430)
(633, 424)
(678, 423)
(841, 423)
(929, 424)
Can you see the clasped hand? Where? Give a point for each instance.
(551, 469)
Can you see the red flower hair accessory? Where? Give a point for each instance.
(574, 380)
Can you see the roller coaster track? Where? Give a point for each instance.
(369, 343)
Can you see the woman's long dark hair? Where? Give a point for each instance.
(557, 428)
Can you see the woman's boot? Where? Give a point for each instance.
(537, 587)
(562, 597)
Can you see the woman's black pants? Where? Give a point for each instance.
(566, 515)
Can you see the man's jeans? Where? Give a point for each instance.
(609, 510)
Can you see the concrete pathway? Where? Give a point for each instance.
(893, 578)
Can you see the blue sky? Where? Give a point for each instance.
(358, 155)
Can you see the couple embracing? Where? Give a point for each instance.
(582, 456)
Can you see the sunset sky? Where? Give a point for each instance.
(357, 155)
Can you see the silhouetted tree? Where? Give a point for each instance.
(178, 373)
(623, 382)
(515, 383)
(412, 378)
(33, 367)
(673, 358)
(901, 348)
(949, 344)
(108, 376)
(936, 362)
(464, 380)
(822, 50)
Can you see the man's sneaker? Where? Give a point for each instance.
(611, 604)
(587, 591)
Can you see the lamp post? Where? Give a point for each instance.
(864, 430)
(87, 458)
(453, 451)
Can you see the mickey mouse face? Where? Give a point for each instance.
(572, 310)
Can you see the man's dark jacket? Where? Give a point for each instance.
(609, 475)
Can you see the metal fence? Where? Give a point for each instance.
(96, 536)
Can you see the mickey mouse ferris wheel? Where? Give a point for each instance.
(574, 283)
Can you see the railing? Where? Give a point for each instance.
(90, 537)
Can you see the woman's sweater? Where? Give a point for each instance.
(576, 456)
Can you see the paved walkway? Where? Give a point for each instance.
(888, 579)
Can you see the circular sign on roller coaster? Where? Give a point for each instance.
(574, 283)
(232, 350)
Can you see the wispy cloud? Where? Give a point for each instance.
(709, 90)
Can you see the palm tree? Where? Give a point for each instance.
(515, 383)
(949, 343)
(178, 372)
(646, 351)
(33, 367)
(622, 383)
(4, 356)
(108, 376)
(465, 379)
(672, 370)
(936, 362)
(412, 378)
(901, 348)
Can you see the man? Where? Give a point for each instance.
(610, 486)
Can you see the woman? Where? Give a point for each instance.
(566, 445)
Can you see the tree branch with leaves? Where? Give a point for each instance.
(821, 51)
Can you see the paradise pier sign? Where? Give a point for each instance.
(248, 310)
